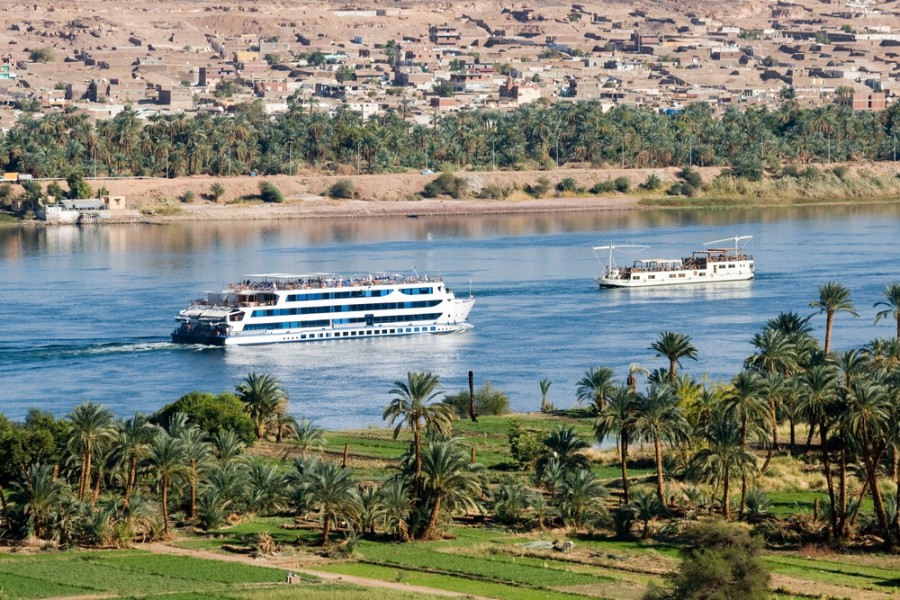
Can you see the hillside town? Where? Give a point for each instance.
(421, 59)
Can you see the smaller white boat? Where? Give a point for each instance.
(711, 265)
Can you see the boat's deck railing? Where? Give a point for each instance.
(278, 283)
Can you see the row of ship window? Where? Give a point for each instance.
(329, 322)
(356, 294)
(312, 310)
(365, 333)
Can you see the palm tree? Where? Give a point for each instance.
(674, 346)
(227, 446)
(415, 405)
(449, 481)
(645, 507)
(616, 418)
(580, 495)
(265, 487)
(198, 453)
(167, 461)
(216, 190)
(133, 438)
(659, 419)
(333, 491)
(263, 397)
(308, 437)
(564, 446)
(545, 388)
(818, 401)
(396, 506)
(891, 294)
(833, 298)
(867, 418)
(92, 425)
(723, 456)
(38, 493)
(594, 386)
(634, 370)
(776, 355)
(750, 409)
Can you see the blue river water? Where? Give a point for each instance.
(87, 311)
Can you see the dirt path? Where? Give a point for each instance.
(289, 563)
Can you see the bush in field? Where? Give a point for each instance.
(446, 184)
(494, 192)
(41, 55)
(568, 185)
(539, 189)
(525, 446)
(342, 190)
(690, 177)
(488, 401)
(187, 196)
(269, 192)
(622, 184)
(211, 413)
(652, 183)
(721, 561)
(603, 187)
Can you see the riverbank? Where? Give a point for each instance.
(487, 192)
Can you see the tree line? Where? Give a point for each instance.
(541, 135)
(93, 478)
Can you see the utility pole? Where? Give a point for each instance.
(358, 144)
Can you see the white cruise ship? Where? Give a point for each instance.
(265, 309)
(710, 265)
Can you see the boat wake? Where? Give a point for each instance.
(50, 352)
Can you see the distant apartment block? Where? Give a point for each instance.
(443, 35)
(869, 101)
(7, 67)
(176, 98)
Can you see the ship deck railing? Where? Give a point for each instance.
(299, 282)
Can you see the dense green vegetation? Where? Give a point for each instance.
(801, 448)
(750, 142)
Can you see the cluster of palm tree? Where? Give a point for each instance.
(172, 145)
(851, 399)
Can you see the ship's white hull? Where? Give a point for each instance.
(667, 278)
(303, 314)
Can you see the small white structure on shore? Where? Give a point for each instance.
(75, 211)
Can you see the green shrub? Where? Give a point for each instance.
(488, 401)
(491, 192)
(342, 189)
(78, 187)
(721, 561)
(525, 446)
(269, 192)
(211, 413)
(446, 184)
(187, 196)
(41, 55)
(690, 177)
(622, 184)
(568, 185)
(603, 187)
(841, 172)
(540, 189)
(811, 174)
(652, 183)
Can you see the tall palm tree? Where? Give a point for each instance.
(133, 438)
(867, 419)
(634, 370)
(414, 404)
(449, 481)
(833, 298)
(616, 418)
(167, 462)
(748, 405)
(660, 420)
(263, 397)
(674, 346)
(776, 354)
(818, 402)
(198, 452)
(594, 385)
(723, 457)
(891, 294)
(92, 425)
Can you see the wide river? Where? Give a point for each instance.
(87, 311)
